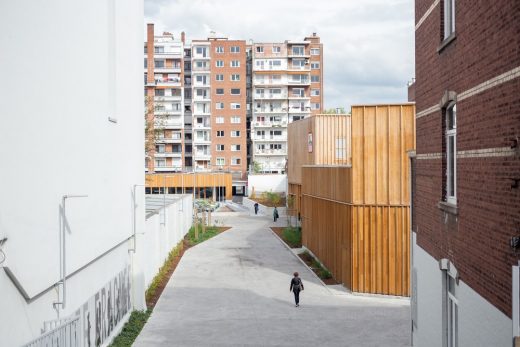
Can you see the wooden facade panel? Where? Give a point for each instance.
(327, 182)
(199, 180)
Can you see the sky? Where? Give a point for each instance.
(368, 45)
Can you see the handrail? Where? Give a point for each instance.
(29, 299)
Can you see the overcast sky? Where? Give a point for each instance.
(368, 44)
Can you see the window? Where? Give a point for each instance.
(298, 92)
(159, 63)
(219, 77)
(298, 63)
(315, 92)
(277, 49)
(220, 63)
(220, 133)
(145, 63)
(219, 120)
(275, 133)
(451, 153)
(158, 49)
(298, 50)
(220, 148)
(219, 91)
(159, 92)
(315, 105)
(235, 119)
(159, 148)
(315, 66)
(259, 49)
(219, 105)
(275, 64)
(219, 49)
(315, 51)
(235, 91)
(235, 63)
(235, 49)
(275, 146)
(340, 148)
(449, 18)
(160, 162)
(235, 133)
(315, 78)
(235, 106)
(221, 161)
(235, 161)
(450, 309)
(235, 77)
(235, 148)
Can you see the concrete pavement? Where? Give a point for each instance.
(233, 290)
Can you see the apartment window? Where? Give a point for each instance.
(275, 63)
(275, 146)
(220, 63)
(220, 133)
(277, 49)
(260, 134)
(235, 49)
(220, 148)
(219, 91)
(449, 18)
(235, 148)
(260, 64)
(315, 66)
(235, 161)
(200, 64)
(235, 119)
(298, 63)
(340, 148)
(158, 49)
(259, 49)
(159, 92)
(451, 312)
(298, 50)
(219, 49)
(221, 161)
(315, 78)
(219, 77)
(160, 162)
(235, 63)
(219, 120)
(275, 133)
(159, 63)
(235, 106)
(235, 77)
(160, 148)
(235, 91)
(145, 63)
(315, 105)
(219, 105)
(451, 153)
(315, 92)
(298, 92)
(315, 51)
(235, 133)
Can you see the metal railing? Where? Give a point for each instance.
(66, 333)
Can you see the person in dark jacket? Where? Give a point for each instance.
(275, 214)
(296, 287)
(256, 207)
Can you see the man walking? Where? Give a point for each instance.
(256, 207)
(296, 287)
(275, 214)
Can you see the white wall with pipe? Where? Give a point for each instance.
(277, 183)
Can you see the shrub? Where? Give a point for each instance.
(131, 329)
(292, 236)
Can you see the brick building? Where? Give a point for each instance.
(466, 195)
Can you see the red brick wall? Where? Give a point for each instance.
(487, 44)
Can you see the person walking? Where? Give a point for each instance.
(275, 214)
(256, 207)
(296, 287)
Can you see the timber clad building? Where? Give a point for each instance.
(349, 181)
(466, 196)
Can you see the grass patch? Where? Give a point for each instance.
(131, 329)
(292, 236)
(203, 236)
(318, 269)
(164, 272)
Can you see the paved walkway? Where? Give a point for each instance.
(233, 290)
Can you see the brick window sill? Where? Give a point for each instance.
(448, 208)
(446, 42)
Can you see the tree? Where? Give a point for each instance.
(333, 110)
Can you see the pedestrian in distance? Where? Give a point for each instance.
(256, 207)
(275, 214)
(296, 287)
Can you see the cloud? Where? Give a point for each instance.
(368, 45)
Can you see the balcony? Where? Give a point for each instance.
(168, 154)
(200, 69)
(270, 110)
(168, 140)
(270, 124)
(176, 168)
(203, 112)
(168, 55)
(269, 152)
(201, 156)
(270, 82)
(174, 82)
(162, 111)
(267, 96)
(304, 82)
(205, 98)
(298, 97)
(298, 109)
(168, 98)
(306, 68)
(167, 69)
(201, 140)
(269, 138)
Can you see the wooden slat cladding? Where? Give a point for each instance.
(201, 179)
(357, 219)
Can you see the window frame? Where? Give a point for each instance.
(448, 18)
(219, 49)
(220, 133)
(450, 133)
(219, 63)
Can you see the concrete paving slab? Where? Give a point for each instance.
(233, 290)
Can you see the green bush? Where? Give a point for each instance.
(203, 236)
(131, 329)
(292, 236)
(163, 271)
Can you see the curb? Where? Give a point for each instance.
(301, 261)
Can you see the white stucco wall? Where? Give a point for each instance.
(480, 323)
(66, 68)
(267, 182)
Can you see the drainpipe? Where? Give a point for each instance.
(63, 247)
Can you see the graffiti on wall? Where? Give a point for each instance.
(105, 309)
